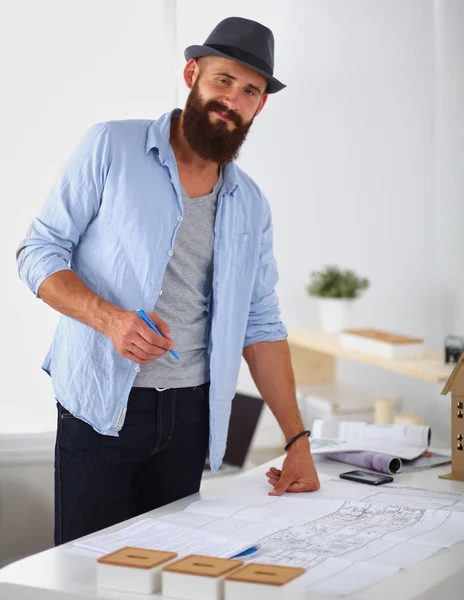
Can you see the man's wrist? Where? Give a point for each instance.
(299, 441)
(300, 448)
(104, 315)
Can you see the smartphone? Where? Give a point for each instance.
(366, 477)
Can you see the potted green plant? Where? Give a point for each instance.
(336, 290)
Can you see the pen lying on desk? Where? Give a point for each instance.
(143, 315)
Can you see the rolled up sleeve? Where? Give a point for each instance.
(73, 202)
(264, 322)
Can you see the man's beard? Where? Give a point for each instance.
(212, 141)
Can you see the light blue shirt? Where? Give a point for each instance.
(112, 217)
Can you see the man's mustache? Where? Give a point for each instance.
(217, 106)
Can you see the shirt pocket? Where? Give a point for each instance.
(241, 249)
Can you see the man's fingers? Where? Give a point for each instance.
(273, 476)
(147, 357)
(280, 487)
(161, 325)
(147, 351)
(153, 338)
(140, 328)
(274, 471)
(130, 355)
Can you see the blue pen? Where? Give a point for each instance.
(150, 324)
(251, 550)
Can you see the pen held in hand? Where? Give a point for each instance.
(143, 315)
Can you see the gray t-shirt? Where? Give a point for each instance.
(183, 303)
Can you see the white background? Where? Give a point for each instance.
(361, 156)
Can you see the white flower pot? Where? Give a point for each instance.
(335, 314)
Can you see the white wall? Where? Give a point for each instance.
(65, 66)
(450, 161)
(348, 155)
(345, 153)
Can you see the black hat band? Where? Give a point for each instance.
(243, 56)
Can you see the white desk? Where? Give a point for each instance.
(64, 573)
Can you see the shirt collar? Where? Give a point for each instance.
(158, 137)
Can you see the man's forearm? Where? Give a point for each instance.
(67, 293)
(271, 369)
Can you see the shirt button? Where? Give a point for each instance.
(161, 291)
(170, 253)
(137, 369)
(179, 218)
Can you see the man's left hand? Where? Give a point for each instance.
(298, 473)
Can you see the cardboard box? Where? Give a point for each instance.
(132, 570)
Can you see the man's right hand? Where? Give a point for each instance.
(67, 293)
(133, 339)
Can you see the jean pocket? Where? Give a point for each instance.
(63, 412)
(67, 415)
(203, 390)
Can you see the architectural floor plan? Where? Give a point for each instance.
(351, 527)
(345, 545)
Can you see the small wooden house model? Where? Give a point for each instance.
(455, 385)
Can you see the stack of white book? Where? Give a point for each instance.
(382, 343)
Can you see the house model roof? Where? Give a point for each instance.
(455, 382)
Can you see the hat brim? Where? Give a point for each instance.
(274, 85)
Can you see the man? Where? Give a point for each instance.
(156, 215)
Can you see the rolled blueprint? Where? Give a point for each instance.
(383, 463)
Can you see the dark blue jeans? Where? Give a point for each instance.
(158, 457)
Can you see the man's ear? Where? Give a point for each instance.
(191, 72)
(261, 104)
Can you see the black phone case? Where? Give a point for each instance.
(385, 479)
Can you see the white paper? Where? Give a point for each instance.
(338, 489)
(353, 578)
(324, 569)
(155, 534)
(344, 534)
(343, 531)
(448, 530)
(392, 553)
(403, 441)
(291, 509)
(187, 519)
(419, 498)
(223, 526)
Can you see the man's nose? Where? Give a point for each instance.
(232, 100)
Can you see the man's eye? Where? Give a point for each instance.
(226, 81)
(250, 92)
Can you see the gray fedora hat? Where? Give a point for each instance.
(247, 42)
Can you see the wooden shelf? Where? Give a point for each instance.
(314, 342)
